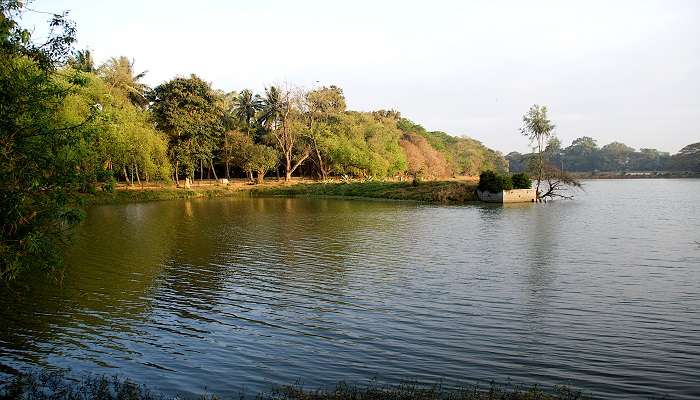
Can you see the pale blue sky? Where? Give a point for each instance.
(614, 70)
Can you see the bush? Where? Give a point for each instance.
(490, 181)
(521, 181)
(109, 185)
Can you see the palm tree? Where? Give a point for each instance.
(82, 61)
(245, 106)
(119, 73)
(272, 108)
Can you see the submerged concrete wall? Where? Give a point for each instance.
(490, 197)
(519, 196)
(508, 196)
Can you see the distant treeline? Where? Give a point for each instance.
(584, 155)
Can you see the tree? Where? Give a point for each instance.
(245, 107)
(237, 146)
(123, 139)
(41, 154)
(616, 156)
(82, 61)
(323, 108)
(118, 72)
(190, 113)
(423, 160)
(582, 154)
(280, 116)
(538, 128)
(260, 158)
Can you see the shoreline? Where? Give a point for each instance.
(439, 192)
(452, 191)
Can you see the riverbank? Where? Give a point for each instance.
(55, 386)
(430, 191)
(454, 191)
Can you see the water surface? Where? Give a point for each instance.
(602, 293)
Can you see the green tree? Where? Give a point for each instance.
(281, 117)
(82, 61)
(260, 158)
(245, 108)
(190, 113)
(41, 155)
(616, 156)
(582, 154)
(323, 109)
(119, 73)
(538, 128)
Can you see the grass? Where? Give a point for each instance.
(55, 386)
(124, 195)
(455, 191)
(432, 191)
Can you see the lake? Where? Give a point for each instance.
(601, 293)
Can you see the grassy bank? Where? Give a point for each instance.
(431, 191)
(133, 195)
(55, 386)
(434, 192)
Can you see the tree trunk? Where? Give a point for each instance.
(126, 175)
(211, 163)
(138, 178)
(261, 176)
(321, 167)
(288, 167)
(201, 171)
(177, 176)
(228, 176)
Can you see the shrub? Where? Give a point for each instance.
(109, 185)
(490, 181)
(506, 182)
(521, 181)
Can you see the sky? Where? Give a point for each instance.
(624, 71)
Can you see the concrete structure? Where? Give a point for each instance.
(508, 196)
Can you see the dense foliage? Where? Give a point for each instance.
(493, 182)
(521, 181)
(40, 163)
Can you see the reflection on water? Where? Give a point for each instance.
(601, 292)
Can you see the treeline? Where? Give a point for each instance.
(584, 155)
(69, 126)
(184, 128)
